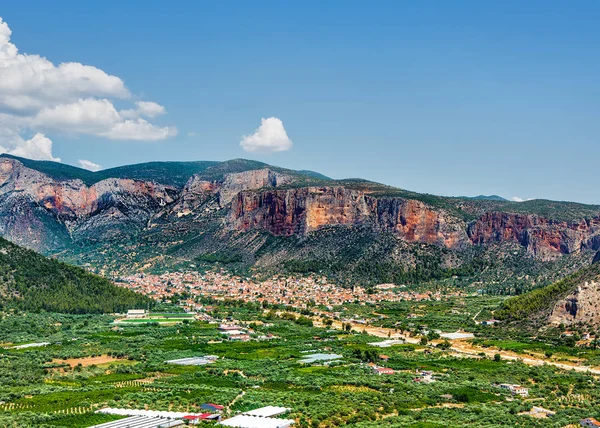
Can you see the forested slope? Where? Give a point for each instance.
(33, 282)
(538, 304)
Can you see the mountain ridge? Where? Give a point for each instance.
(267, 214)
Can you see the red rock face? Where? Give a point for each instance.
(254, 200)
(73, 197)
(57, 211)
(298, 211)
(302, 210)
(542, 237)
(415, 221)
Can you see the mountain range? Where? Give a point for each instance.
(250, 215)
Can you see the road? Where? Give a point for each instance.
(461, 347)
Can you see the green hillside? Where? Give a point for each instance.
(32, 282)
(169, 173)
(57, 170)
(536, 302)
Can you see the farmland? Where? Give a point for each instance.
(90, 363)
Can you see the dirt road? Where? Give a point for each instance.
(461, 347)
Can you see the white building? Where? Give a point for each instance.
(248, 421)
(141, 422)
(515, 389)
(268, 411)
(137, 313)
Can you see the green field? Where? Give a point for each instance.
(346, 393)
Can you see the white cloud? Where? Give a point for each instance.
(98, 117)
(191, 134)
(69, 98)
(150, 109)
(29, 82)
(89, 165)
(518, 199)
(138, 129)
(38, 147)
(268, 138)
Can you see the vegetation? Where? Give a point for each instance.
(32, 282)
(37, 387)
(168, 173)
(534, 303)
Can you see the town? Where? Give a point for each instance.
(295, 292)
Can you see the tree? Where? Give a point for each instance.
(497, 357)
(444, 345)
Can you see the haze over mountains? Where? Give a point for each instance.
(159, 215)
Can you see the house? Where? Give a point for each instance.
(384, 357)
(240, 337)
(196, 419)
(137, 313)
(228, 327)
(519, 390)
(382, 370)
(424, 376)
(515, 389)
(489, 322)
(589, 422)
(211, 407)
(540, 412)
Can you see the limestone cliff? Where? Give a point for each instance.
(303, 210)
(255, 179)
(580, 306)
(40, 212)
(49, 213)
(542, 237)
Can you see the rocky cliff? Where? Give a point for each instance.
(303, 210)
(580, 306)
(216, 206)
(543, 238)
(42, 213)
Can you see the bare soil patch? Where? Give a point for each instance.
(88, 361)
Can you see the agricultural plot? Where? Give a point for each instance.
(132, 368)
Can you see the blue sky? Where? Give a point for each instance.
(452, 98)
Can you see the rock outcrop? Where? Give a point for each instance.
(542, 237)
(42, 213)
(255, 179)
(49, 214)
(580, 306)
(303, 210)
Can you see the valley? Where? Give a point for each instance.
(90, 363)
(343, 302)
(299, 214)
